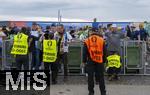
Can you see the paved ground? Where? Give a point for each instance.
(111, 89)
(128, 85)
(77, 85)
(124, 80)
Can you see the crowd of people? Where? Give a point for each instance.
(51, 46)
(131, 31)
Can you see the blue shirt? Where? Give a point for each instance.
(143, 34)
(134, 35)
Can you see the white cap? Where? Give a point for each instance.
(114, 25)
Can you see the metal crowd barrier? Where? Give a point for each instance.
(134, 54)
(0, 55)
(147, 63)
(75, 57)
(134, 57)
(8, 60)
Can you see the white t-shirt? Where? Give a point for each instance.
(35, 34)
(66, 35)
(2, 34)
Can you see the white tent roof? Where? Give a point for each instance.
(12, 18)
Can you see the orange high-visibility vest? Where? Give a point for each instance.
(95, 47)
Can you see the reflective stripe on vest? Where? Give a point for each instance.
(114, 61)
(20, 45)
(49, 51)
(95, 47)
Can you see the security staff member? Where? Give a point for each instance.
(20, 49)
(94, 55)
(113, 66)
(50, 55)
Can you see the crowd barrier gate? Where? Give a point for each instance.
(134, 54)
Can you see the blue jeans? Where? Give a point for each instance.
(36, 59)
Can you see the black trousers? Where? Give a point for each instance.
(33, 62)
(113, 70)
(97, 68)
(22, 60)
(54, 68)
(63, 58)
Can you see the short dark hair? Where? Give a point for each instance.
(48, 27)
(23, 30)
(34, 23)
(4, 28)
(53, 25)
(51, 35)
(108, 25)
(60, 25)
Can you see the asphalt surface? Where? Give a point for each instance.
(124, 80)
(111, 90)
(77, 85)
(127, 85)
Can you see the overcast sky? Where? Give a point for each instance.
(103, 10)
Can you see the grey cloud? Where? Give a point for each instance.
(84, 9)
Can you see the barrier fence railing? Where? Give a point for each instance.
(0, 55)
(147, 63)
(136, 59)
(8, 60)
(75, 57)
